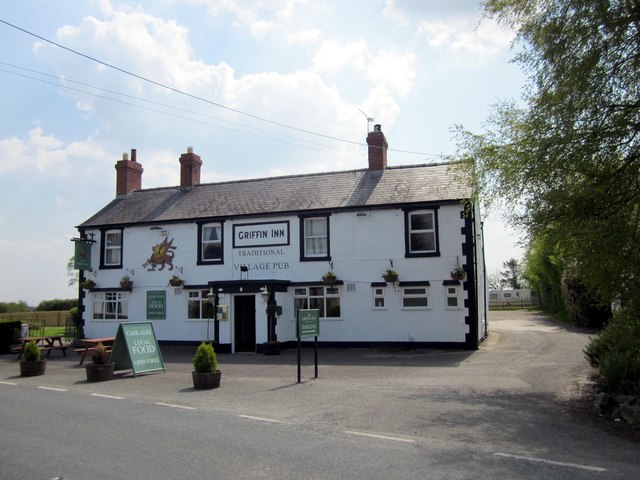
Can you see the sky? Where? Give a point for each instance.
(258, 88)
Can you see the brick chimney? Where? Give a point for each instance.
(128, 174)
(377, 149)
(190, 164)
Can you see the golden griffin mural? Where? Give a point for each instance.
(161, 255)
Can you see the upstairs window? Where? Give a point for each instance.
(111, 253)
(210, 243)
(421, 233)
(314, 238)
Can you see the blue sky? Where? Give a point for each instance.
(417, 67)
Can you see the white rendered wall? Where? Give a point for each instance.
(361, 249)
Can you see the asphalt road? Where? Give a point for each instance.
(503, 411)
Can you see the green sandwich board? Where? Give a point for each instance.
(136, 347)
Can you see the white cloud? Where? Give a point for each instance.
(334, 55)
(464, 37)
(311, 35)
(261, 28)
(46, 160)
(39, 152)
(393, 70)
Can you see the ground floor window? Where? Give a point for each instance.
(378, 297)
(110, 305)
(451, 292)
(199, 307)
(325, 299)
(415, 297)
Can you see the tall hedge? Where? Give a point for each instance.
(9, 331)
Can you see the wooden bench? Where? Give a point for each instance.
(83, 351)
(46, 344)
(63, 348)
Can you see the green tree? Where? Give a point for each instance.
(57, 305)
(72, 273)
(568, 161)
(543, 271)
(510, 276)
(14, 307)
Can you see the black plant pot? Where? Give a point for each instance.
(32, 368)
(206, 381)
(271, 348)
(99, 372)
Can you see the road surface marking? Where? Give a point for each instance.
(262, 419)
(172, 405)
(53, 389)
(382, 437)
(106, 396)
(8, 383)
(551, 462)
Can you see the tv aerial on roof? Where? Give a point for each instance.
(369, 120)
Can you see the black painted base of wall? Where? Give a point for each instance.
(226, 347)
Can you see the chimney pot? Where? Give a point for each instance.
(190, 165)
(378, 146)
(128, 175)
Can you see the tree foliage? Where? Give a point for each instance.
(569, 160)
(57, 305)
(510, 276)
(543, 270)
(14, 307)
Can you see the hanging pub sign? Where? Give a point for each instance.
(136, 347)
(82, 256)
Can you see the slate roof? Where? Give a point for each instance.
(313, 192)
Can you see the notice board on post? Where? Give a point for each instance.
(308, 323)
(136, 348)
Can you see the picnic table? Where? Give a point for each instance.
(90, 345)
(46, 343)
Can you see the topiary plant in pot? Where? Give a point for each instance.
(205, 368)
(101, 369)
(31, 363)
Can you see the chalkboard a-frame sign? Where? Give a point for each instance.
(136, 348)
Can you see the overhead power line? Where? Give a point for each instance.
(197, 97)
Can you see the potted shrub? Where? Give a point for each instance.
(205, 368)
(175, 281)
(101, 369)
(126, 282)
(31, 363)
(329, 278)
(390, 276)
(458, 273)
(88, 284)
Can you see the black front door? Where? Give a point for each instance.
(244, 307)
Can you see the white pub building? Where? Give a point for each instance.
(234, 261)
